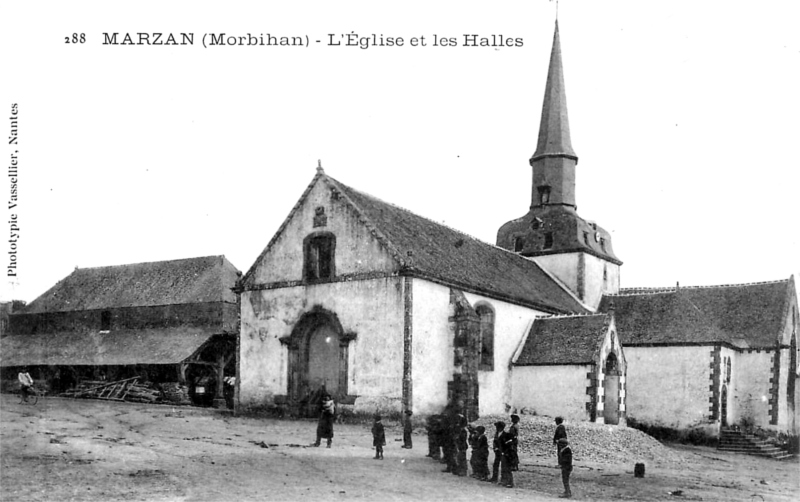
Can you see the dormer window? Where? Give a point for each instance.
(518, 244)
(318, 252)
(544, 195)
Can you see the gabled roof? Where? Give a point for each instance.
(192, 280)
(120, 347)
(743, 315)
(436, 251)
(426, 249)
(564, 340)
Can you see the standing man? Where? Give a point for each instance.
(507, 450)
(514, 431)
(498, 452)
(325, 424)
(25, 383)
(565, 462)
(561, 432)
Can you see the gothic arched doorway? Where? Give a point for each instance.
(318, 354)
(611, 390)
(323, 359)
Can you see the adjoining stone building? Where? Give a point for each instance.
(559, 356)
(711, 357)
(163, 321)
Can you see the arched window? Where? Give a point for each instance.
(612, 367)
(318, 257)
(486, 315)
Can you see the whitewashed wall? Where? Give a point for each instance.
(552, 390)
(373, 309)
(669, 386)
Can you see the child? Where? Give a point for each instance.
(480, 455)
(565, 462)
(407, 429)
(378, 438)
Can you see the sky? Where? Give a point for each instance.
(685, 117)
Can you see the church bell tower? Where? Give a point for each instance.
(576, 251)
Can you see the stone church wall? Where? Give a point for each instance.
(669, 386)
(357, 251)
(372, 309)
(511, 325)
(752, 380)
(552, 390)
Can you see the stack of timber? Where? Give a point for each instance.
(176, 393)
(121, 390)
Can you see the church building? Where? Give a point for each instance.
(389, 311)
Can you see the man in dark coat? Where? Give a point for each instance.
(565, 462)
(378, 437)
(561, 432)
(498, 452)
(514, 432)
(480, 454)
(326, 418)
(461, 436)
(433, 426)
(507, 450)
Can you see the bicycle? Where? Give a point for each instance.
(32, 398)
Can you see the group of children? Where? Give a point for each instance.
(460, 436)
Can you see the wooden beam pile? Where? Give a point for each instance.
(128, 389)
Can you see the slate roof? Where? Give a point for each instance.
(743, 315)
(119, 347)
(439, 252)
(191, 280)
(563, 340)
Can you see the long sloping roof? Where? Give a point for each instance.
(563, 340)
(436, 251)
(191, 280)
(744, 315)
(122, 347)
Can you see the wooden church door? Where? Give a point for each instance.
(323, 359)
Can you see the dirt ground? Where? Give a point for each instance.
(61, 449)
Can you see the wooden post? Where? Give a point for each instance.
(219, 398)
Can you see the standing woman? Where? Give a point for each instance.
(325, 424)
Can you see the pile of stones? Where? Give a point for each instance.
(590, 442)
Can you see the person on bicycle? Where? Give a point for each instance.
(25, 383)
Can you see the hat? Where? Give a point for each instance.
(559, 420)
(481, 429)
(514, 417)
(500, 424)
(377, 417)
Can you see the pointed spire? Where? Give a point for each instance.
(319, 167)
(554, 140)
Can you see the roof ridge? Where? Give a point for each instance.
(672, 289)
(150, 262)
(481, 241)
(246, 276)
(565, 316)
